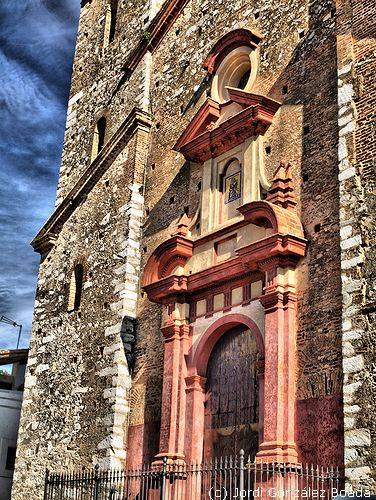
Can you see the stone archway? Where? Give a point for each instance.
(229, 326)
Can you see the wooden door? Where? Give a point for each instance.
(231, 407)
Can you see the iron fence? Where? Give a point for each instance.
(220, 478)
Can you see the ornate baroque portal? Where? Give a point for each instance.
(227, 285)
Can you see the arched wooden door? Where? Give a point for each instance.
(231, 407)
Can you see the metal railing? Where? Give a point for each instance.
(220, 478)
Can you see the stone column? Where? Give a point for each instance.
(176, 333)
(280, 366)
(195, 415)
(181, 418)
(290, 354)
(261, 375)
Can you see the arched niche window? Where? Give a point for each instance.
(233, 62)
(238, 70)
(110, 22)
(98, 137)
(75, 288)
(230, 190)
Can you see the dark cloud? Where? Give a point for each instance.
(36, 50)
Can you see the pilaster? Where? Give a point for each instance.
(195, 414)
(176, 333)
(279, 302)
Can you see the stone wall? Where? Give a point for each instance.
(356, 155)
(78, 378)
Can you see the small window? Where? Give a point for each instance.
(110, 22)
(75, 288)
(114, 11)
(98, 137)
(101, 128)
(11, 458)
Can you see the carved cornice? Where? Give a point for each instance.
(136, 120)
(246, 99)
(195, 383)
(285, 247)
(278, 299)
(223, 286)
(204, 118)
(222, 273)
(198, 144)
(172, 332)
(162, 290)
(264, 213)
(276, 246)
(284, 250)
(176, 251)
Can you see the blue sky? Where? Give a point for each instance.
(37, 40)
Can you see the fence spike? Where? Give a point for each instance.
(185, 479)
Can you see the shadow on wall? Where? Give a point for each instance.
(144, 429)
(310, 80)
(128, 336)
(171, 206)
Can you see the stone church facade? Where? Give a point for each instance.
(206, 277)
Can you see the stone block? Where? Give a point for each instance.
(357, 438)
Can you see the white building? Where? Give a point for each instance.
(11, 394)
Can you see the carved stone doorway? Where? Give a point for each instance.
(232, 396)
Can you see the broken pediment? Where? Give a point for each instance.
(216, 128)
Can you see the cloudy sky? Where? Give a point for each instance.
(36, 49)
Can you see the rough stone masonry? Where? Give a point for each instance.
(94, 375)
